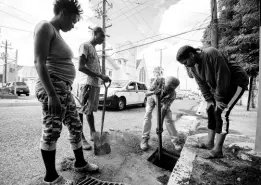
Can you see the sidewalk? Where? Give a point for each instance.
(20, 101)
(240, 165)
(241, 121)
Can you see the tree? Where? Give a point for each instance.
(239, 35)
(157, 71)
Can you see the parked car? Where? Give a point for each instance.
(122, 93)
(179, 96)
(21, 88)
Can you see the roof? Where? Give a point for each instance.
(138, 63)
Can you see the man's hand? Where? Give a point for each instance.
(221, 105)
(157, 91)
(105, 78)
(54, 105)
(209, 103)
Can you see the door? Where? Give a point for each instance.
(142, 90)
(132, 93)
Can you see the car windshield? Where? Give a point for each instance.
(118, 84)
(20, 83)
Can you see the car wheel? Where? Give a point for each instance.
(121, 104)
(144, 102)
(18, 94)
(27, 94)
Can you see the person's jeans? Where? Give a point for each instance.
(169, 122)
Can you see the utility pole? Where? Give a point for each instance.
(258, 124)
(5, 56)
(161, 69)
(104, 43)
(104, 16)
(214, 24)
(16, 72)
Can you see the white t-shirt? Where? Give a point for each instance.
(92, 64)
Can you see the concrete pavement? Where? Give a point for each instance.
(20, 101)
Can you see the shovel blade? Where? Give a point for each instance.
(101, 143)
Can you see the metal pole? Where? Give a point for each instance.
(214, 24)
(258, 124)
(161, 68)
(103, 44)
(15, 72)
(5, 66)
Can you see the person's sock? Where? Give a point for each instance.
(49, 162)
(79, 158)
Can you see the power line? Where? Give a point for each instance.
(135, 18)
(138, 11)
(129, 10)
(16, 29)
(144, 20)
(15, 8)
(16, 17)
(182, 33)
(134, 25)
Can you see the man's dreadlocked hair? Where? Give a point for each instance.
(71, 6)
(183, 52)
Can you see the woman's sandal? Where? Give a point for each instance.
(59, 181)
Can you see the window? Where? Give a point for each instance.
(141, 86)
(131, 85)
(110, 73)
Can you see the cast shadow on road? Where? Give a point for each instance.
(128, 108)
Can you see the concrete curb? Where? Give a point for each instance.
(182, 171)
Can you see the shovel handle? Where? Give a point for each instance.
(106, 86)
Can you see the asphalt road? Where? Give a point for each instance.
(20, 132)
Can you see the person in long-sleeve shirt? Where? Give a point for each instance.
(166, 87)
(222, 83)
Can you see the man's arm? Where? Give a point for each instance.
(223, 77)
(166, 103)
(83, 68)
(204, 88)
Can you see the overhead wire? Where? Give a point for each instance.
(16, 29)
(140, 10)
(182, 33)
(144, 20)
(15, 8)
(16, 17)
(135, 26)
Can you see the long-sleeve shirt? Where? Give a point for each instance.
(166, 98)
(215, 74)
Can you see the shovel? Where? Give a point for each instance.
(161, 157)
(101, 140)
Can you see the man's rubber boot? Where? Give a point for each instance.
(144, 145)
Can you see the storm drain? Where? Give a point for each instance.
(94, 181)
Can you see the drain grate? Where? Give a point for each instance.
(94, 181)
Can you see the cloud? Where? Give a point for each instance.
(179, 17)
(29, 14)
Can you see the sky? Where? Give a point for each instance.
(131, 20)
